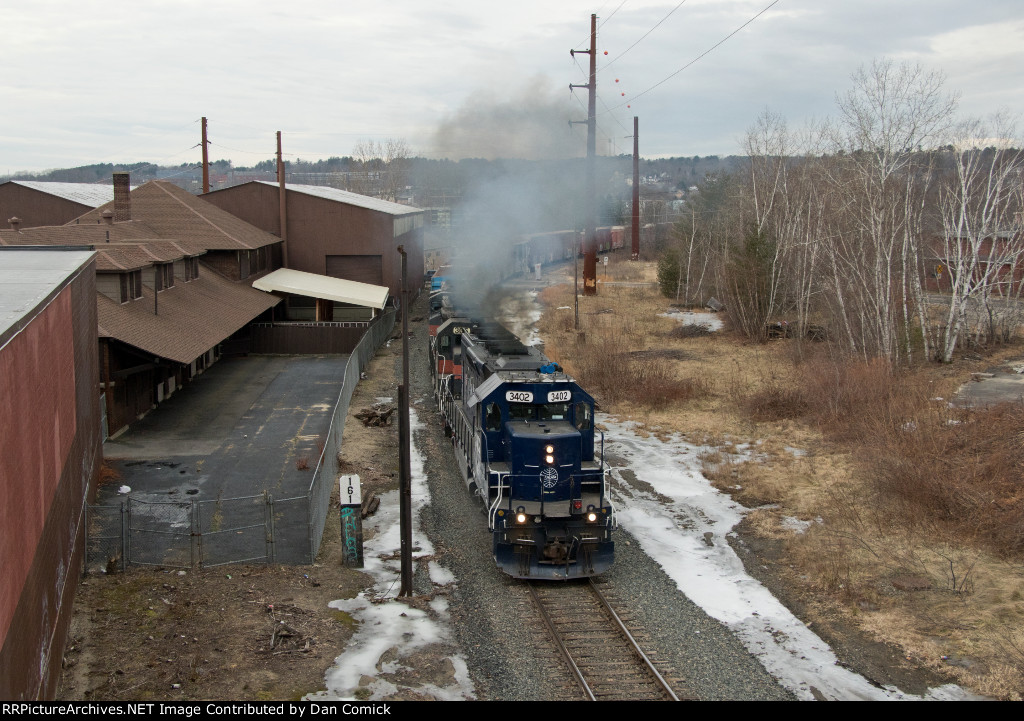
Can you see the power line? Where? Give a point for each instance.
(613, 13)
(699, 57)
(644, 35)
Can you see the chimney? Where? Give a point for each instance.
(15, 223)
(122, 198)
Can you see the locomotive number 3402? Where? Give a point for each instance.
(519, 396)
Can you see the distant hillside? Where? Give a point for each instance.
(439, 178)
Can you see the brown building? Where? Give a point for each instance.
(334, 232)
(50, 426)
(172, 288)
(35, 203)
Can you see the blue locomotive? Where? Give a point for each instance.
(523, 432)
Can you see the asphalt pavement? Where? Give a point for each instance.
(246, 426)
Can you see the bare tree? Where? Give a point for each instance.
(382, 168)
(982, 246)
(881, 175)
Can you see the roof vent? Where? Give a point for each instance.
(108, 217)
(15, 223)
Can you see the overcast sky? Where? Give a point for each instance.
(89, 81)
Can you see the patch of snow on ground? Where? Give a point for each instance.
(688, 317)
(393, 624)
(713, 577)
(795, 524)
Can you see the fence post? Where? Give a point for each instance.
(126, 524)
(268, 527)
(196, 535)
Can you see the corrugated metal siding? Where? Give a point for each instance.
(36, 208)
(41, 571)
(360, 268)
(297, 339)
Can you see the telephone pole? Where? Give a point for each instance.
(282, 203)
(635, 254)
(206, 161)
(405, 446)
(589, 247)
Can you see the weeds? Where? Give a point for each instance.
(108, 474)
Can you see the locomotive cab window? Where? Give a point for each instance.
(521, 412)
(582, 416)
(493, 417)
(554, 411)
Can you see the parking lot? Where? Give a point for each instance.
(246, 427)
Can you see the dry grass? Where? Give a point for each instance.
(916, 509)
(108, 474)
(609, 352)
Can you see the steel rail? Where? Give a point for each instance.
(557, 637)
(632, 642)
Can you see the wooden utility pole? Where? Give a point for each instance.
(283, 205)
(635, 255)
(404, 446)
(589, 246)
(206, 161)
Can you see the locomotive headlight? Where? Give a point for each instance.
(520, 515)
(550, 457)
(591, 514)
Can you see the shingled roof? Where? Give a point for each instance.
(173, 213)
(192, 318)
(167, 224)
(121, 246)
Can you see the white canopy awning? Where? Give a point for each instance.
(297, 282)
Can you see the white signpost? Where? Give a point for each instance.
(351, 498)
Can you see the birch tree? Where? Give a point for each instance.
(982, 250)
(890, 115)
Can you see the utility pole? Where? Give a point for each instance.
(206, 161)
(635, 255)
(404, 449)
(589, 246)
(283, 205)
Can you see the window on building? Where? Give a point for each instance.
(131, 285)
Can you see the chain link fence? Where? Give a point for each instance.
(253, 529)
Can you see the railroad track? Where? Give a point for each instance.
(595, 644)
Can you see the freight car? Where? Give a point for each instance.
(524, 437)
